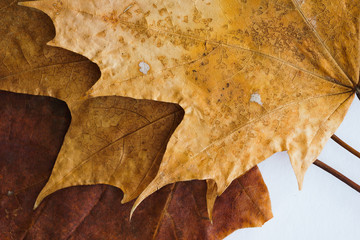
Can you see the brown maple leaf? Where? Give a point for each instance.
(29, 66)
(31, 132)
(254, 77)
(177, 211)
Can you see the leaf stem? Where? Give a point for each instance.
(344, 145)
(337, 174)
(357, 90)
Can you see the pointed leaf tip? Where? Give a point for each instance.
(211, 196)
(32, 4)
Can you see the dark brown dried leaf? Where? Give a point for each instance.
(177, 211)
(32, 129)
(31, 133)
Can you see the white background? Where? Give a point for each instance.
(325, 208)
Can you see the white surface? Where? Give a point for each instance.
(144, 67)
(255, 97)
(325, 208)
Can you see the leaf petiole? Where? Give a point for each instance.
(337, 174)
(345, 145)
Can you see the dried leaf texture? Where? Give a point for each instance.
(336, 24)
(100, 126)
(28, 66)
(108, 135)
(177, 211)
(254, 77)
(31, 132)
(116, 141)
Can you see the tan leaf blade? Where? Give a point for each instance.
(28, 66)
(254, 78)
(116, 141)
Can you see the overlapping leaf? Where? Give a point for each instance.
(111, 138)
(174, 212)
(31, 132)
(254, 77)
(27, 65)
(114, 141)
